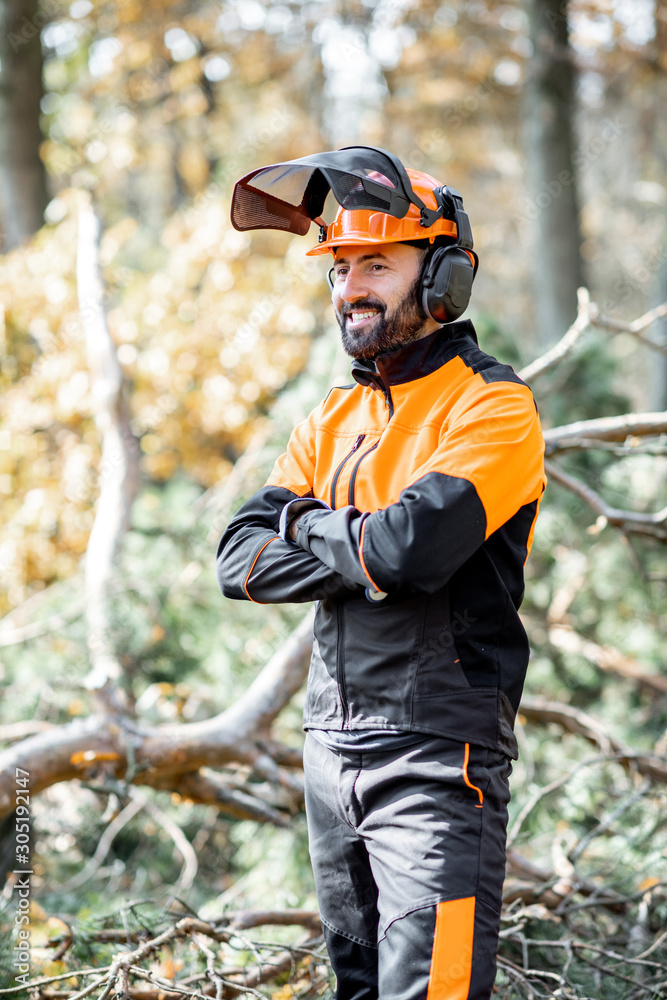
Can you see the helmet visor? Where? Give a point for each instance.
(290, 195)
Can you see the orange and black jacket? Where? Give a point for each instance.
(429, 472)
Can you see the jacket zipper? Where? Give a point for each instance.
(340, 667)
(341, 466)
(353, 478)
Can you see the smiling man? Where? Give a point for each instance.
(405, 506)
(376, 298)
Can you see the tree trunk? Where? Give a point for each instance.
(23, 189)
(657, 362)
(552, 185)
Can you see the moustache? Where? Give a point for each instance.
(351, 307)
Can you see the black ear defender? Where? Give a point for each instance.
(330, 278)
(446, 282)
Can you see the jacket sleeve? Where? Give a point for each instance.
(488, 465)
(254, 563)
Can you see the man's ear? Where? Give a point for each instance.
(330, 272)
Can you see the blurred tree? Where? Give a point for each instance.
(550, 104)
(23, 187)
(156, 108)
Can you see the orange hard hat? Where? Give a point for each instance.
(360, 226)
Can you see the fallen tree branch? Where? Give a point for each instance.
(181, 843)
(134, 806)
(606, 658)
(128, 964)
(575, 721)
(111, 745)
(535, 884)
(629, 521)
(33, 630)
(619, 428)
(13, 731)
(206, 787)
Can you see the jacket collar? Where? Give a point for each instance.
(418, 359)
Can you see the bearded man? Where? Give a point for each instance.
(405, 505)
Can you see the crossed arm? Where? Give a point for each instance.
(488, 465)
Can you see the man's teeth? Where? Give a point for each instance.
(357, 317)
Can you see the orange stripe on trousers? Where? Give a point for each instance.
(451, 961)
(466, 758)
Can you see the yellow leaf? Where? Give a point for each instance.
(284, 993)
(36, 911)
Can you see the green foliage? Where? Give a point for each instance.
(213, 331)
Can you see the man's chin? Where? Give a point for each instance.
(383, 342)
(362, 342)
(358, 346)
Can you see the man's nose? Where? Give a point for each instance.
(354, 285)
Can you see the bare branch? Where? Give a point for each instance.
(11, 637)
(637, 326)
(20, 730)
(15, 627)
(245, 919)
(603, 825)
(540, 883)
(588, 315)
(586, 311)
(86, 748)
(208, 788)
(576, 721)
(134, 806)
(119, 467)
(604, 429)
(565, 638)
(182, 844)
(630, 521)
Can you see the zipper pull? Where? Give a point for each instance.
(356, 444)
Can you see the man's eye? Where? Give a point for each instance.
(340, 273)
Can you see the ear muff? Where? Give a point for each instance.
(330, 278)
(446, 283)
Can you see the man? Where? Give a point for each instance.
(405, 505)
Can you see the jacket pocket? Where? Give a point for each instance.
(379, 658)
(438, 665)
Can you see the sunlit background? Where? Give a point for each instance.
(225, 340)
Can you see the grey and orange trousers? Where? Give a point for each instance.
(408, 853)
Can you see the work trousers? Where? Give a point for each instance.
(408, 853)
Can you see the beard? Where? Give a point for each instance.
(388, 330)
